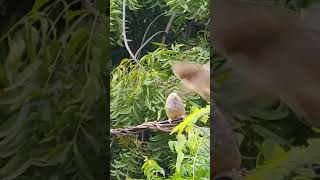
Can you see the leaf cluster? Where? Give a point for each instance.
(191, 9)
(51, 78)
(116, 19)
(138, 94)
(192, 147)
(185, 10)
(296, 163)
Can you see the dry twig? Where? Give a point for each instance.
(164, 126)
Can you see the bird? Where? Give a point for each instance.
(274, 48)
(225, 153)
(195, 77)
(174, 107)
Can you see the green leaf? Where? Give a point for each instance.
(37, 5)
(25, 75)
(11, 144)
(55, 155)
(180, 158)
(15, 96)
(77, 40)
(271, 149)
(82, 164)
(92, 140)
(90, 92)
(15, 167)
(269, 114)
(13, 125)
(73, 14)
(17, 47)
(266, 133)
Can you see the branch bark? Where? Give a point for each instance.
(172, 18)
(124, 32)
(164, 126)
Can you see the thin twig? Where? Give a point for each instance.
(207, 24)
(188, 29)
(164, 126)
(147, 41)
(144, 43)
(146, 32)
(89, 44)
(172, 18)
(124, 32)
(206, 28)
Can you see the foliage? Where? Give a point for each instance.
(193, 148)
(297, 163)
(51, 79)
(137, 98)
(151, 169)
(137, 88)
(116, 18)
(138, 92)
(191, 9)
(185, 10)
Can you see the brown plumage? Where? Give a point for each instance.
(174, 107)
(274, 48)
(225, 154)
(195, 77)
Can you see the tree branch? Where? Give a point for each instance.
(164, 126)
(124, 32)
(146, 32)
(186, 34)
(172, 18)
(147, 41)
